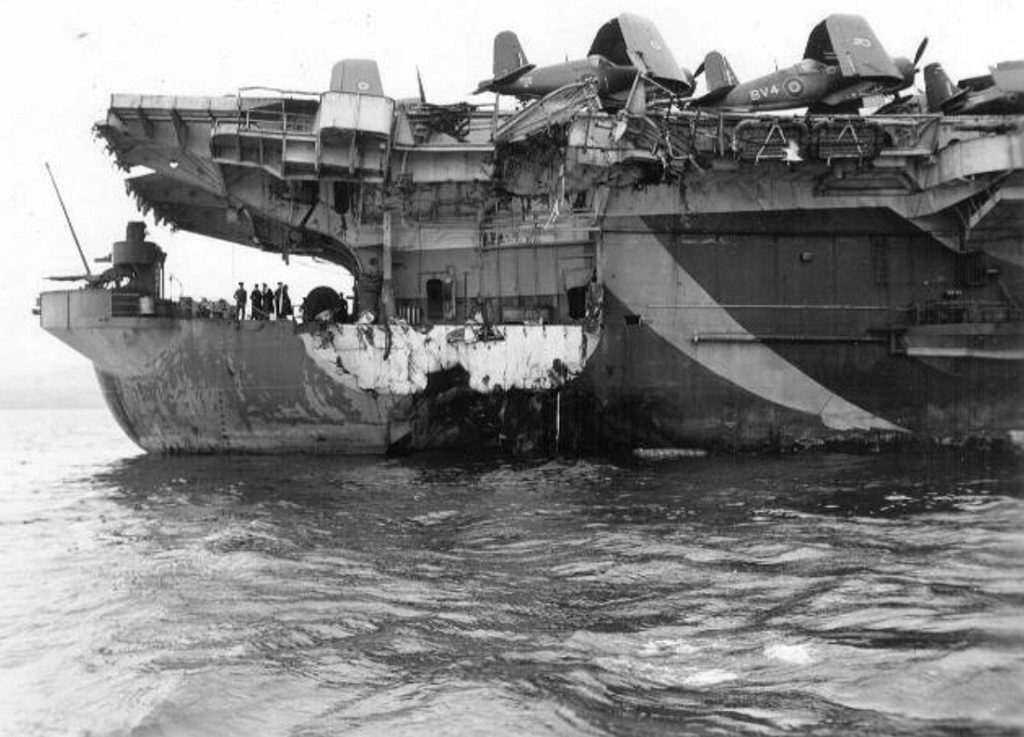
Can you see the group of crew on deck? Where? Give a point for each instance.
(266, 304)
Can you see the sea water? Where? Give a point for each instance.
(820, 594)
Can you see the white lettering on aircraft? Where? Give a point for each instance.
(761, 93)
(859, 41)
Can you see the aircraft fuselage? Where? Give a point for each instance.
(806, 83)
(795, 86)
(611, 78)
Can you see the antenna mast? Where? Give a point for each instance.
(67, 217)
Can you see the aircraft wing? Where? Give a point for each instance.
(845, 107)
(975, 84)
(495, 84)
(632, 39)
(710, 98)
(854, 92)
(74, 277)
(848, 42)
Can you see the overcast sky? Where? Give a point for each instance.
(61, 61)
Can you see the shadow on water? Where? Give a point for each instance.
(828, 594)
(877, 486)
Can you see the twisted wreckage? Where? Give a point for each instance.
(565, 274)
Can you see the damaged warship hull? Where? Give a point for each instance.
(254, 386)
(564, 277)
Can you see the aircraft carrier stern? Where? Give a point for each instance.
(566, 274)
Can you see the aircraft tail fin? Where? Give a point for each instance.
(357, 76)
(508, 54)
(718, 75)
(939, 88)
(718, 72)
(509, 62)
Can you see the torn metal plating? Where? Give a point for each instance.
(398, 359)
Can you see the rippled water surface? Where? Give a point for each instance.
(817, 594)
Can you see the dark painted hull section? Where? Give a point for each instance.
(747, 340)
(654, 396)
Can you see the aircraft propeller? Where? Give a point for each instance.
(920, 52)
(909, 69)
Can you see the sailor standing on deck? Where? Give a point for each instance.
(268, 302)
(240, 297)
(257, 303)
(286, 311)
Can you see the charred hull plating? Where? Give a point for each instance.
(561, 277)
